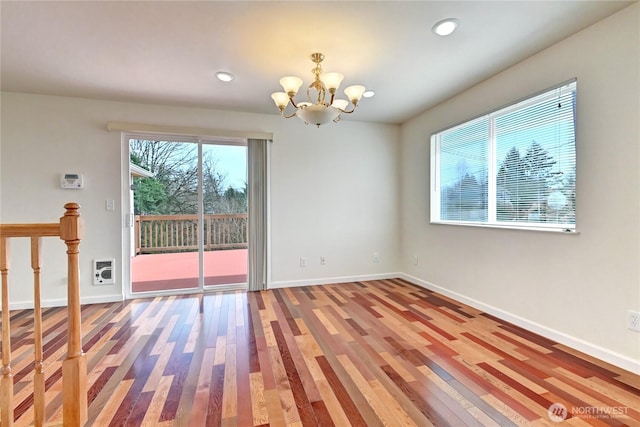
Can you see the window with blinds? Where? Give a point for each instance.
(515, 167)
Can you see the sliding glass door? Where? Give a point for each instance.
(189, 222)
(225, 198)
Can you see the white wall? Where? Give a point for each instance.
(333, 189)
(574, 288)
(335, 196)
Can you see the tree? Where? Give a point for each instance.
(523, 184)
(537, 167)
(174, 187)
(150, 197)
(509, 186)
(213, 187)
(175, 169)
(236, 200)
(464, 199)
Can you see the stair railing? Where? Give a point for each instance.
(74, 367)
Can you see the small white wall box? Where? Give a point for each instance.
(103, 271)
(71, 181)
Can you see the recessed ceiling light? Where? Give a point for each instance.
(368, 94)
(445, 27)
(224, 76)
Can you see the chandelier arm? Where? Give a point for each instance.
(349, 112)
(293, 102)
(282, 113)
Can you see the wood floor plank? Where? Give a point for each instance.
(332, 405)
(364, 387)
(348, 401)
(274, 408)
(301, 398)
(517, 401)
(154, 410)
(283, 388)
(259, 410)
(201, 395)
(105, 416)
(230, 385)
(375, 353)
(393, 405)
(214, 403)
(604, 394)
(158, 369)
(179, 369)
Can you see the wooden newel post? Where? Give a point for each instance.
(74, 368)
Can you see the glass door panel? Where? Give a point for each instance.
(166, 231)
(224, 195)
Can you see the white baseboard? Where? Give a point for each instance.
(102, 299)
(332, 280)
(598, 352)
(28, 305)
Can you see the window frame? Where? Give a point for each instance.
(492, 219)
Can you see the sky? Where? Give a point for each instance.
(232, 162)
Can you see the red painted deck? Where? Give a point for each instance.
(159, 272)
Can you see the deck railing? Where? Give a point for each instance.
(74, 367)
(179, 233)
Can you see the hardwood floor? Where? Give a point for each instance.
(363, 354)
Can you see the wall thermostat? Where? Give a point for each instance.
(71, 181)
(103, 273)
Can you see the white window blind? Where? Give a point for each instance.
(463, 164)
(514, 167)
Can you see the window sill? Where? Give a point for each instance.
(510, 227)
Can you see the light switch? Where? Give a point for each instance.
(110, 205)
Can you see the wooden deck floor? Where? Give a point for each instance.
(161, 272)
(362, 354)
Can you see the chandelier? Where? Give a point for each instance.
(320, 110)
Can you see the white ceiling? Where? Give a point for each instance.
(169, 52)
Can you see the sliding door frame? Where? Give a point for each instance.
(128, 209)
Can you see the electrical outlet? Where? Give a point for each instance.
(303, 261)
(633, 320)
(323, 260)
(376, 257)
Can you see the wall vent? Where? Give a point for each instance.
(103, 271)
